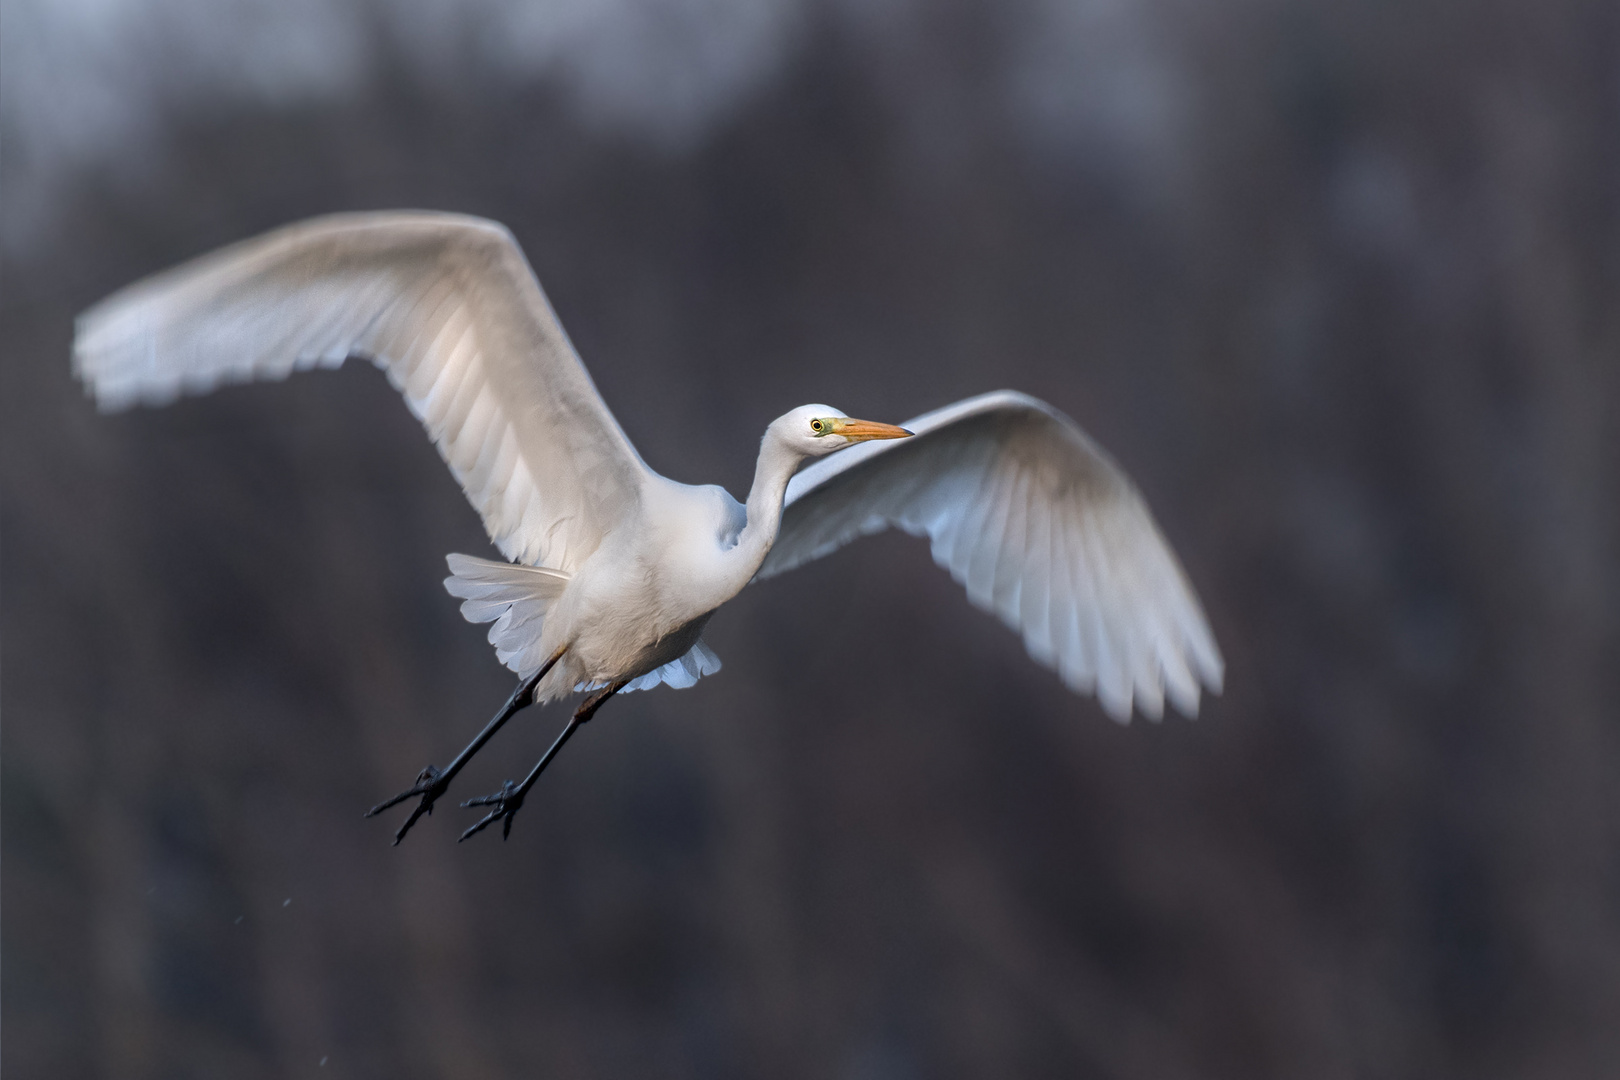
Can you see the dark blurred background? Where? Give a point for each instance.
(1338, 283)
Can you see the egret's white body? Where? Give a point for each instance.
(615, 569)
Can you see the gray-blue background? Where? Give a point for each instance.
(1338, 283)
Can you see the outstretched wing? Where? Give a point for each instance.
(446, 305)
(1043, 529)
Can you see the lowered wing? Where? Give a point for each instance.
(1042, 528)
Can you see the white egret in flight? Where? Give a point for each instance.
(614, 569)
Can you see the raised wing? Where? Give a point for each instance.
(1043, 529)
(446, 305)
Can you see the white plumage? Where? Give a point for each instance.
(616, 569)
(1042, 528)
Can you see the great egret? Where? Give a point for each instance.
(615, 570)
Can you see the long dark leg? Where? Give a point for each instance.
(432, 782)
(507, 800)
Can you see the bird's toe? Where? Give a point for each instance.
(504, 803)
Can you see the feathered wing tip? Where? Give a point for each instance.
(512, 596)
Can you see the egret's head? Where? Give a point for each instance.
(818, 430)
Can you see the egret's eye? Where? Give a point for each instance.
(818, 427)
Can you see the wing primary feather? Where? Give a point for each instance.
(1121, 548)
(317, 337)
(1035, 598)
(1180, 684)
(980, 571)
(419, 351)
(487, 473)
(956, 506)
(1077, 654)
(1012, 563)
(417, 330)
(450, 379)
(391, 331)
(1172, 677)
(1113, 679)
(470, 383)
(433, 353)
(465, 443)
(969, 526)
(390, 297)
(916, 511)
(330, 349)
(1200, 642)
(910, 483)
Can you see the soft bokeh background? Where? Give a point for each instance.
(1339, 283)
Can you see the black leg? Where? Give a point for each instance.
(509, 799)
(432, 782)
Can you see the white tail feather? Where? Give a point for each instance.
(514, 597)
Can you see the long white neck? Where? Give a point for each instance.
(777, 463)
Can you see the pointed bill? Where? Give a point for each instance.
(864, 430)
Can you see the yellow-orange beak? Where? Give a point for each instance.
(863, 430)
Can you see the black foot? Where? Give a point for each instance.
(506, 802)
(430, 784)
